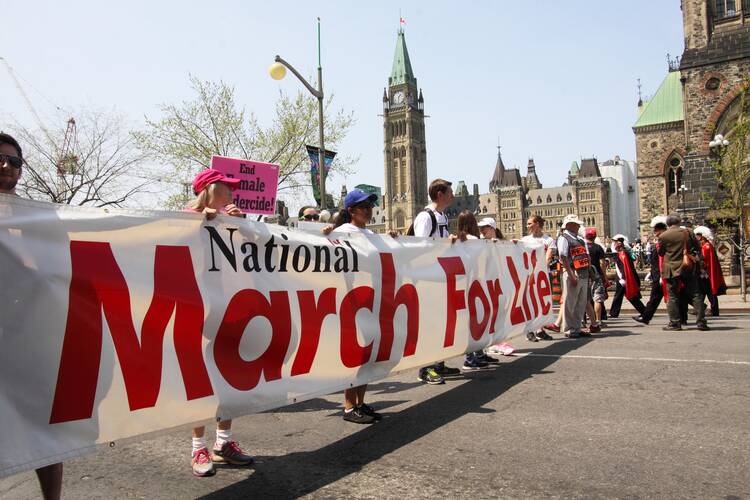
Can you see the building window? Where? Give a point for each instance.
(559, 198)
(570, 197)
(399, 219)
(549, 199)
(725, 8)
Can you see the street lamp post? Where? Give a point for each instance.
(277, 72)
(682, 190)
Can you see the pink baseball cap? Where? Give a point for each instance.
(210, 176)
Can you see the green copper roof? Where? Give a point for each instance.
(573, 168)
(666, 105)
(401, 72)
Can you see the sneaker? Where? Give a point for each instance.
(231, 453)
(446, 370)
(641, 319)
(531, 337)
(542, 335)
(703, 327)
(357, 416)
(202, 464)
(552, 327)
(584, 333)
(595, 329)
(672, 327)
(474, 364)
(369, 410)
(430, 376)
(487, 359)
(573, 335)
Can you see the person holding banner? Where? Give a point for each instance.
(432, 222)
(11, 164)
(353, 218)
(213, 192)
(534, 226)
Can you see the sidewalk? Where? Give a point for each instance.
(727, 303)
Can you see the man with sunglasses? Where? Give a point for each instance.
(11, 163)
(309, 214)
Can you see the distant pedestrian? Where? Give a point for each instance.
(712, 278)
(658, 226)
(628, 282)
(575, 263)
(681, 252)
(599, 282)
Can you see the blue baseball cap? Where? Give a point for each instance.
(358, 196)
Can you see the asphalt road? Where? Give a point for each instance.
(633, 412)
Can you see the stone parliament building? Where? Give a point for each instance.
(511, 198)
(698, 99)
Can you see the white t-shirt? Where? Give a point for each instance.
(423, 224)
(351, 228)
(544, 239)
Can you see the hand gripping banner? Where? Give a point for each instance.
(116, 324)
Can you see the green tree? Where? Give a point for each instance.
(732, 166)
(189, 133)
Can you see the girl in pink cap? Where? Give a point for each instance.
(213, 192)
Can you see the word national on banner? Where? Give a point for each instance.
(256, 192)
(116, 324)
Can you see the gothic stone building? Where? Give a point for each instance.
(697, 99)
(512, 199)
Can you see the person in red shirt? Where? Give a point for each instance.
(711, 277)
(628, 284)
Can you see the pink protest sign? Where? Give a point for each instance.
(256, 193)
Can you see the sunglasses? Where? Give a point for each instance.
(311, 216)
(13, 161)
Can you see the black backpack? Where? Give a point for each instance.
(433, 220)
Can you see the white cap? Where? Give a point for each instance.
(488, 221)
(571, 218)
(659, 219)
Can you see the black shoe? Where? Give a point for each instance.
(531, 337)
(542, 335)
(573, 335)
(641, 319)
(683, 322)
(672, 328)
(368, 410)
(613, 316)
(584, 333)
(703, 327)
(444, 371)
(488, 359)
(357, 416)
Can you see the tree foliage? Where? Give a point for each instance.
(101, 167)
(189, 133)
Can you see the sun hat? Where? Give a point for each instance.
(704, 231)
(571, 219)
(488, 221)
(209, 176)
(658, 220)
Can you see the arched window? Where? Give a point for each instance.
(539, 200)
(549, 199)
(570, 197)
(674, 168)
(559, 198)
(399, 219)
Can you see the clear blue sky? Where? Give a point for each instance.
(554, 80)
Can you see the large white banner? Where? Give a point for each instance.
(115, 324)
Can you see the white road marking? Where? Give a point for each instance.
(626, 358)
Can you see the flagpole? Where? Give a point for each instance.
(322, 152)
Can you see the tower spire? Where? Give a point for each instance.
(401, 72)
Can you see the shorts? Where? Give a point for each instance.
(598, 292)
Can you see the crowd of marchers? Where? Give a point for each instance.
(684, 271)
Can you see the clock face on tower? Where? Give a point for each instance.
(398, 97)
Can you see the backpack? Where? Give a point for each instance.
(433, 221)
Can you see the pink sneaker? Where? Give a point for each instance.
(202, 464)
(504, 349)
(231, 453)
(552, 327)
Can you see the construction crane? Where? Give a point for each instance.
(66, 161)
